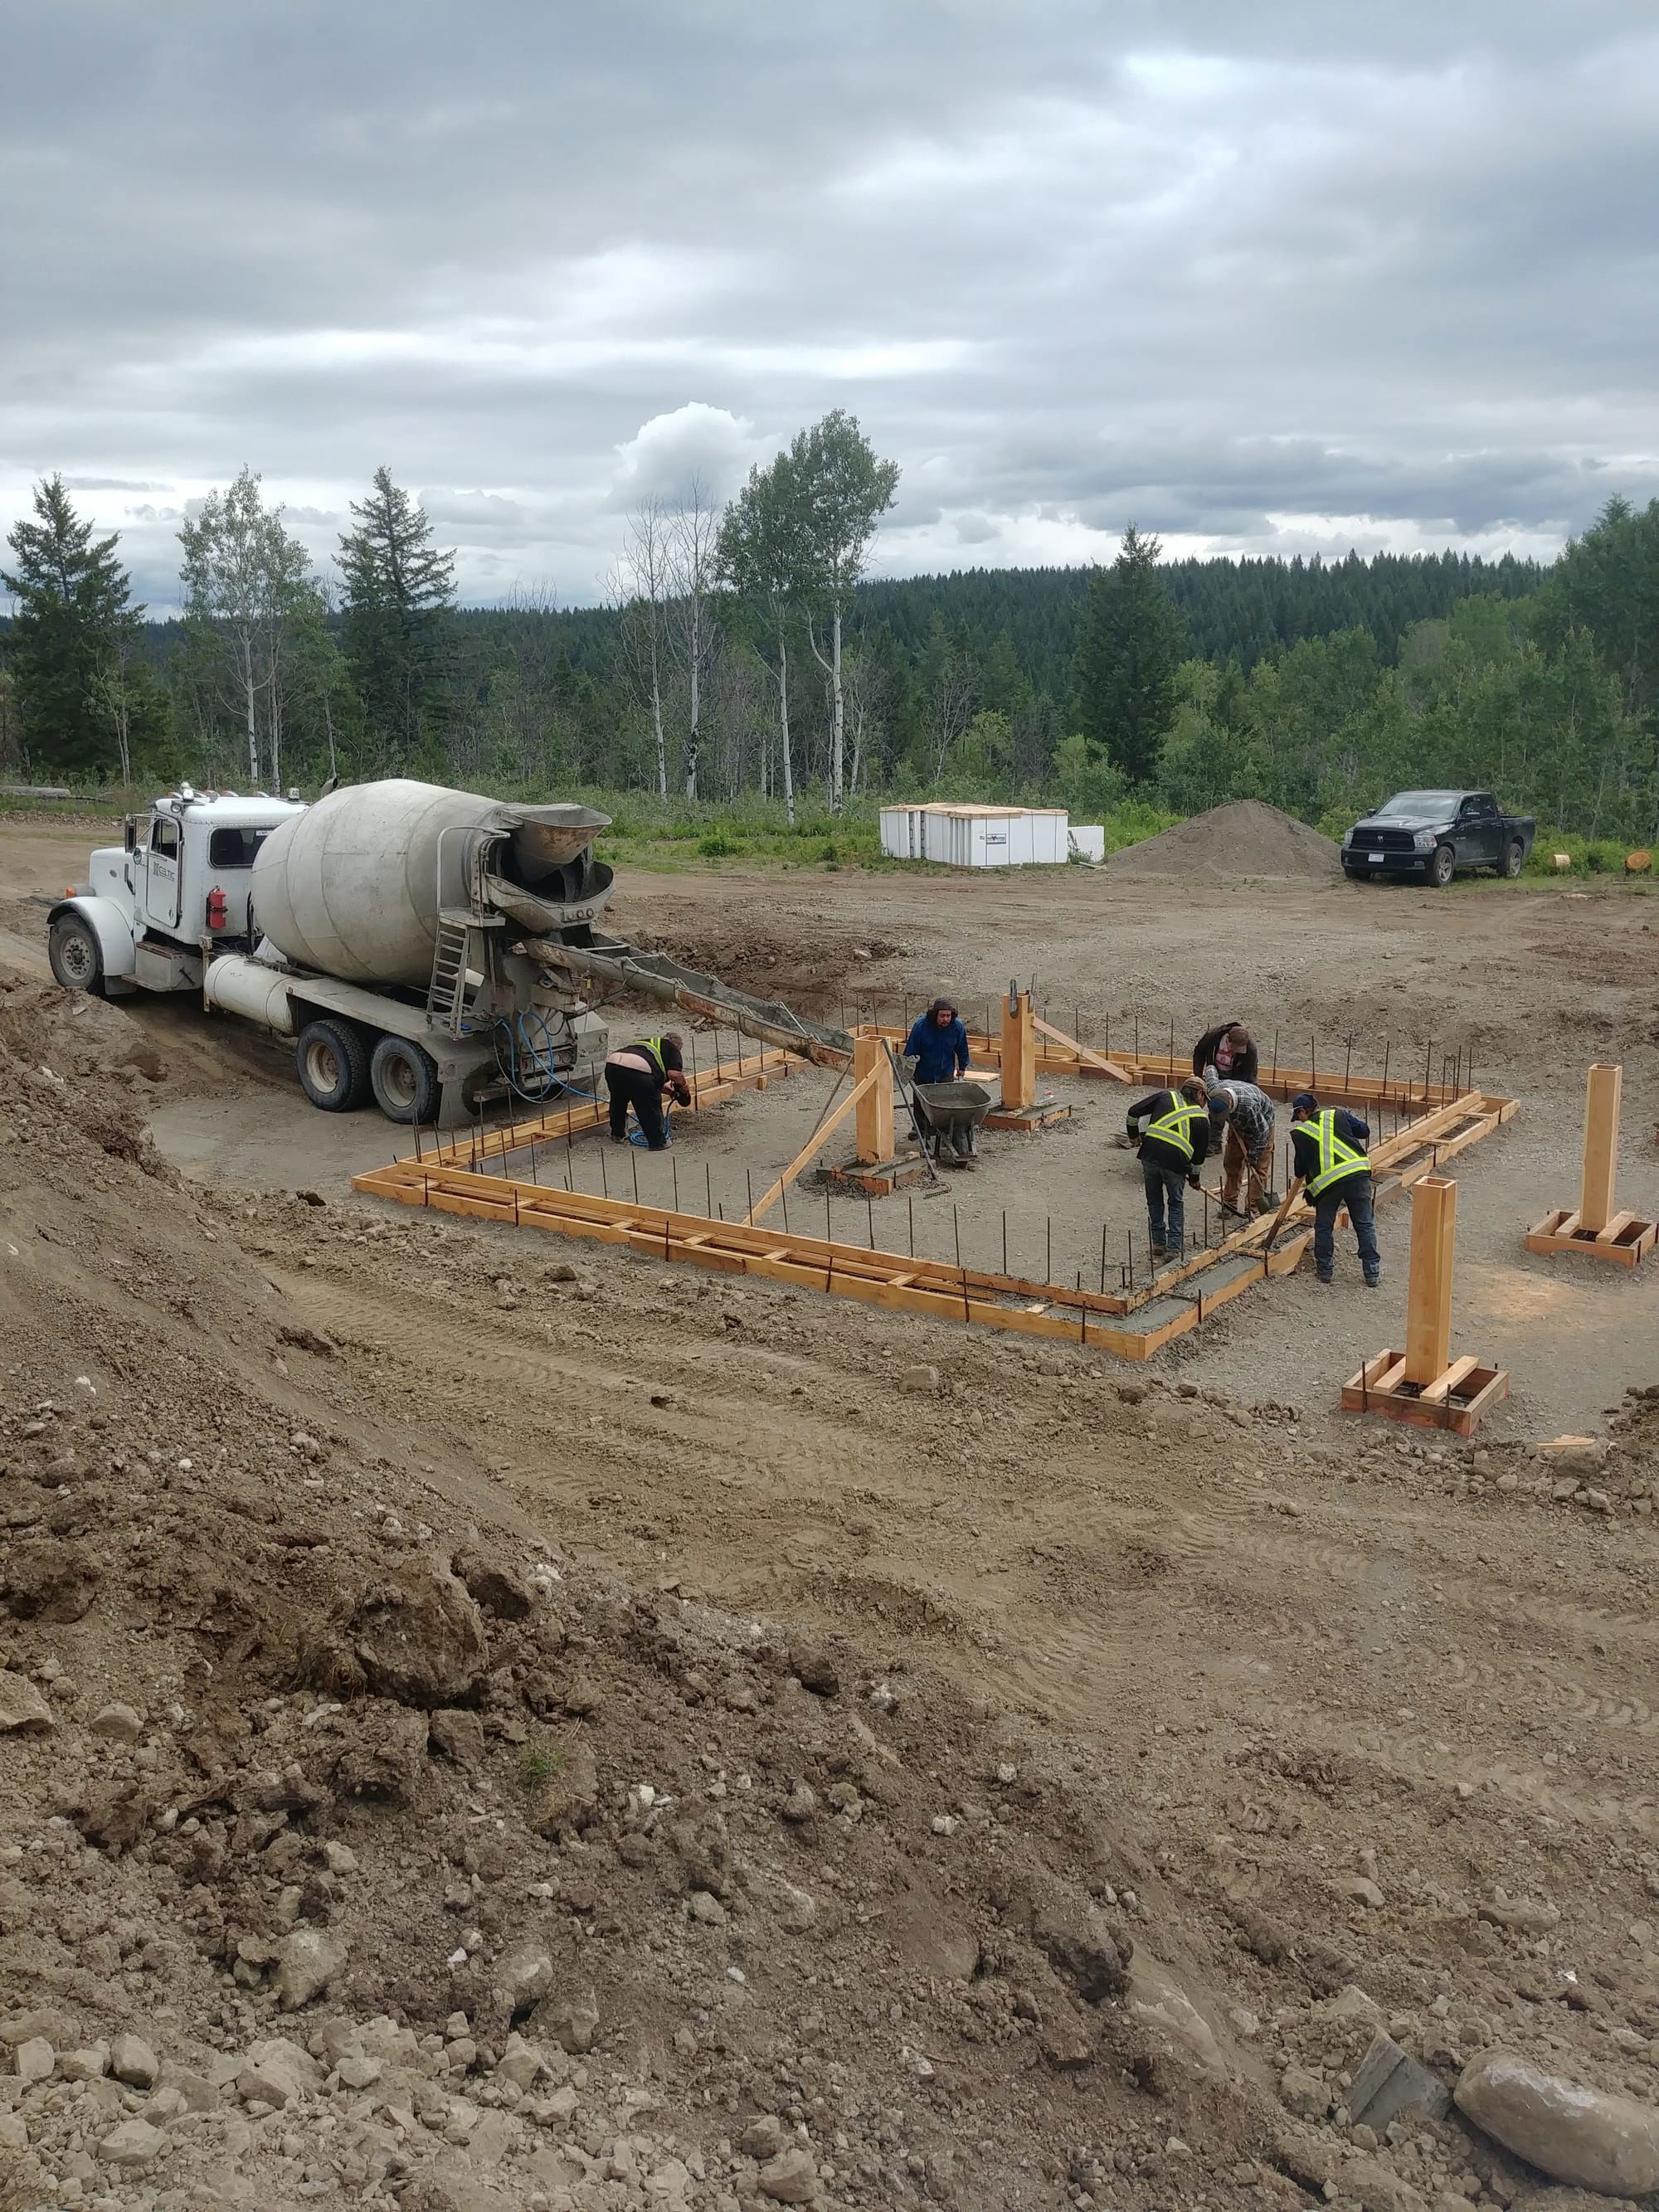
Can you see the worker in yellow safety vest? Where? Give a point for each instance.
(636, 1075)
(1329, 1147)
(1174, 1140)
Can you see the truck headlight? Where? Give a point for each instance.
(1426, 839)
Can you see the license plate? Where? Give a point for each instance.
(1374, 857)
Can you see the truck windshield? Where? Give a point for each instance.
(1419, 805)
(235, 848)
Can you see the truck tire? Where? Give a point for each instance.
(77, 959)
(1513, 860)
(332, 1063)
(1443, 867)
(405, 1079)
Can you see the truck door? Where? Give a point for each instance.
(162, 876)
(1476, 833)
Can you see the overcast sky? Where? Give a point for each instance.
(1263, 278)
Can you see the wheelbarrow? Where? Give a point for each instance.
(951, 1116)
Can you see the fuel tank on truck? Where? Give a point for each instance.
(354, 886)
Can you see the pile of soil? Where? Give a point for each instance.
(1243, 839)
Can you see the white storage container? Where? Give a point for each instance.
(1088, 840)
(901, 833)
(967, 836)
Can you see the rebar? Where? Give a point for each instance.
(605, 1179)
(1102, 1258)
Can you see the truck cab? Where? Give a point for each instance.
(176, 889)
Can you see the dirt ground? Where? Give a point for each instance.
(1289, 1707)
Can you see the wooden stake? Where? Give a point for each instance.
(1428, 1304)
(1019, 1053)
(874, 1129)
(1596, 1201)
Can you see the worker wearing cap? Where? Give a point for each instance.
(937, 1044)
(1174, 1140)
(1244, 1116)
(637, 1076)
(1330, 1145)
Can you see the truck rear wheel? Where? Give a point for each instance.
(332, 1062)
(77, 960)
(1514, 859)
(405, 1079)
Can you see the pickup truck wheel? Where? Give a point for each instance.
(77, 960)
(1443, 867)
(405, 1079)
(1514, 859)
(333, 1065)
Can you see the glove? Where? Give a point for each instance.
(1193, 1182)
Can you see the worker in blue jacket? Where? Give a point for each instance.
(937, 1044)
(1329, 1147)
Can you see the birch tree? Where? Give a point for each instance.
(761, 559)
(244, 578)
(693, 530)
(843, 491)
(640, 586)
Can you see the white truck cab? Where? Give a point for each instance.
(157, 906)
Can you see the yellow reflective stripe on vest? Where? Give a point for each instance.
(654, 1046)
(1336, 1157)
(1172, 1129)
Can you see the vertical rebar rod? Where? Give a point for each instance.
(748, 1185)
(1275, 1075)
(910, 1208)
(870, 1209)
(783, 1200)
(956, 1228)
(634, 1162)
(1004, 1240)
(708, 1189)
(1102, 1258)
(605, 1180)
(1347, 1064)
(1048, 1247)
(827, 1237)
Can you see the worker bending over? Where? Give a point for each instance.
(1329, 1144)
(637, 1076)
(1244, 1115)
(937, 1044)
(1174, 1140)
(1227, 1051)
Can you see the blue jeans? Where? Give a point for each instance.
(1355, 1193)
(1165, 1192)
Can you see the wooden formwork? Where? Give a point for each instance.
(1423, 1384)
(1592, 1227)
(465, 1176)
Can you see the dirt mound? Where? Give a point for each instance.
(1243, 839)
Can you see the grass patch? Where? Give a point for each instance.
(542, 1762)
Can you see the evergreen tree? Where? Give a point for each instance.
(1129, 647)
(74, 618)
(398, 586)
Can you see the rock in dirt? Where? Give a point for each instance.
(524, 1974)
(1387, 2081)
(813, 1667)
(34, 2059)
(1072, 1932)
(791, 2177)
(1304, 2093)
(135, 2142)
(569, 1793)
(309, 1960)
(1585, 2138)
(492, 1583)
(573, 2021)
(383, 1756)
(921, 1382)
(417, 1637)
(132, 2061)
(120, 1724)
(21, 1705)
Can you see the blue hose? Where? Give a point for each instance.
(513, 1031)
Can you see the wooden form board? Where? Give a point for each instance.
(1132, 1325)
(1457, 1399)
(1626, 1240)
(1017, 1053)
(1429, 1293)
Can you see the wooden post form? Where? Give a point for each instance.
(1428, 1298)
(873, 1128)
(1018, 1058)
(1601, 1146)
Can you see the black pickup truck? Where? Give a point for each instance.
(1429, 836)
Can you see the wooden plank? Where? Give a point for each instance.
(1615, 1227)
(1456, 1376)
(816, 1142)
(1085, 1058)
(1428, 1298)
(1601, 1098)
(1017, 1055)
(873, 1128)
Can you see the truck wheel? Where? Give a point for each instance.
(1443, 867)
(77, 960)
(405, 1079)
(333, 1065)
(1514, 859)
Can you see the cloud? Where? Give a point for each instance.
(1287, 275)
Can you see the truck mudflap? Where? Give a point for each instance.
(625, 968)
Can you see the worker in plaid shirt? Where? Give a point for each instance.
(1245, 1115)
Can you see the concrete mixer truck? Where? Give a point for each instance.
(391, 930)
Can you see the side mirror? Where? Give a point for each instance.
(131, 839)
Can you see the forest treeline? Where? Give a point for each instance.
(743, 651)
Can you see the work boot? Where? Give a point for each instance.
(1374, 1280)
(1322, 1277)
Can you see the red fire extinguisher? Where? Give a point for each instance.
(216, 908)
